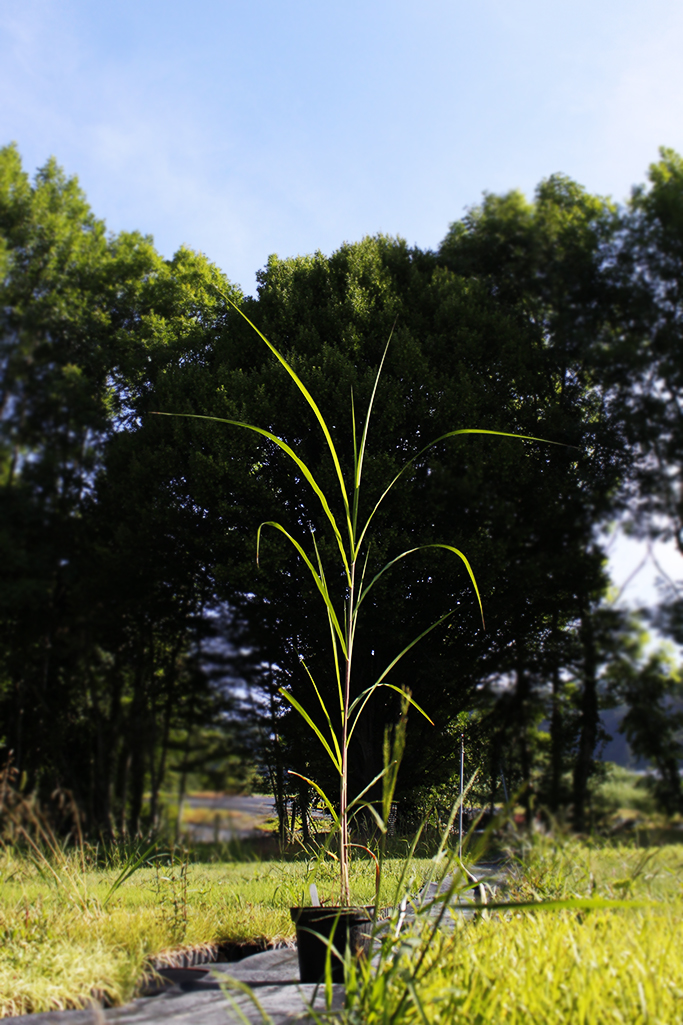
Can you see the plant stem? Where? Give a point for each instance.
(344, 787)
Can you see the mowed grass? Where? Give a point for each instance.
(62, 948)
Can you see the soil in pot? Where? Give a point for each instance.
(316, 927)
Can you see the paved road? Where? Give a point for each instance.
(224, 817)
(258, 805)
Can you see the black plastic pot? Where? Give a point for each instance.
(333, 929)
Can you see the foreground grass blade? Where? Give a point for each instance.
(420, 548)
(568, 904)
(314, 406)
(228, 984)
(289, 452)
(128, 871)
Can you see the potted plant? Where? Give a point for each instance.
(318, 928)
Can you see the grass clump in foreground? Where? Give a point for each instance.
(516, 965)
(542, 967)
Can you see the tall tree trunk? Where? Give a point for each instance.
(136, 778)
(19, 730)
(589, 721)
(555, 722)
(522, 696)
(152, 730)
(182, 784)
(99, 788)
(277, 771)
(136, 730)
(114, 742)
(170, 677)
(303, 808)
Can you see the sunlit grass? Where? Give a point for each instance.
(552, 867)
(570, 967)
(561, 967)
(60, 948)
(508, 966)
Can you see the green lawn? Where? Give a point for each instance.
(60, 946)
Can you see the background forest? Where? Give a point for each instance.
(140, 644)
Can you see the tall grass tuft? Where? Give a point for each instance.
(564, 967)
(352, 529)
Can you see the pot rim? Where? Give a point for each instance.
(365, 912)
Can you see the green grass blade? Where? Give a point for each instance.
(337, 670)
(319, 582)
(53, 878)
(367, 694)
(417, 1003)
(311, 402)
(330, 806)
(128, 870)
(454, 810)
(335, 653)
(373, 811)
(569, 903)
(325, 713)
(293, 456)
(360, 585)
(304, 714)
(358, 463)
(371, 784)
(407, 862)
(443, 437)
(410, 551)
(228, 983)
(353, 432)
(391, 665)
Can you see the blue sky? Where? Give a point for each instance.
(246, 128)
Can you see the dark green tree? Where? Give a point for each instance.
(546, 262)
(102, 591)
(643, 365)
(123, 535)
(461, 355)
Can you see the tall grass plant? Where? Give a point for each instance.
(343, 591)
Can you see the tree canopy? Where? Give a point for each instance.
(130, 598)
